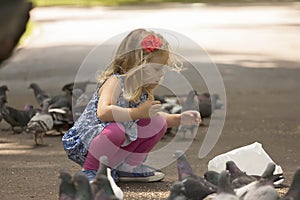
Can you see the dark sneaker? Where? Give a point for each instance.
(142, 173)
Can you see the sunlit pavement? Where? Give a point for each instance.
(248, 36)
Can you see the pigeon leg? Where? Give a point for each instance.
(42, 137)
(35, 138)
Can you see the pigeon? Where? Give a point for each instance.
(14, 117)
(262, 192)
(268, 175)
(60, 107)
(294, 190)
(104, 184)
(212, 177)
(195, 186)
(208, 104)
(183, 166)
(67, 189)
(225, 191)
(61, 101)
(190, 103)
(238, 177)
(197, 189)
(39, 94)
(62, 119)
(40, 123)
(82, 185)
(263, 187)
(177, 191)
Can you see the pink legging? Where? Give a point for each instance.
(109, 142)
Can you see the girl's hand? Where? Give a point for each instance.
(190, 117)
(149, 109)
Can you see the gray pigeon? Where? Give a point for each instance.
(61, 101)
(40, 123)
(177, 191)
(14, 117)
(104, 191)
(263, 187)
(294, 190)
(269, 176)
(101, 181)
(262, 192)
(82, 185)
(39, 94)
(225, 191)
(238, 177)
(67, 189)
(197, 189)
(183, 167)
(190, 103)
(60, 107)
(103, 186)
(195, 186)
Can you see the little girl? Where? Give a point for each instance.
(122, 120)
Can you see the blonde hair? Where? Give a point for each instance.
(131, 55)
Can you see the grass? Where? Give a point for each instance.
(130, 2)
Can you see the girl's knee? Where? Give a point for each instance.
(115, 132)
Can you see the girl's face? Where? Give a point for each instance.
(153, 71)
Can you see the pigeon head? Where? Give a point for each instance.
(296, 180)
(232, 167)
(65, 176)
(32, 85)
(103, 165)
(80, 178)
(4, 88)
(212, 177)
(224, 183)
(178, 154)
(269, 170)
(104, 159)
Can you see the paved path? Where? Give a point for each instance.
(248, 36)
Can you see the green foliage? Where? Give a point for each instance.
(130, 2)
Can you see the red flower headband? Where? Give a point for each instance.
(151, 43)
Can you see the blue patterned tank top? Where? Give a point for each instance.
(76, 140)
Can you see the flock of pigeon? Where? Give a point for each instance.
(59, 112)
(78, 187)
(230, 184)
(54, 112)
